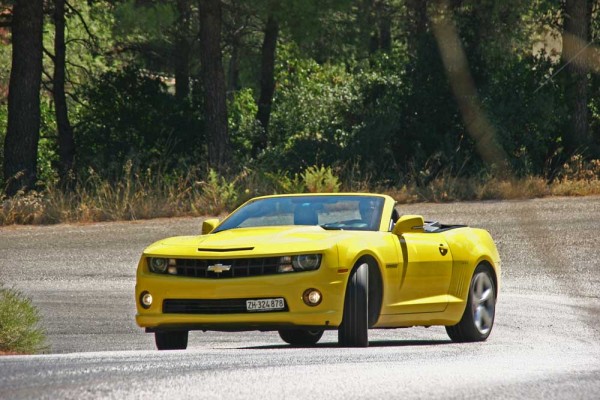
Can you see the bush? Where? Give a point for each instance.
(217, 195)
(19, 331)
(320, 180)
(132, 116)
(244, 128)
(308, 109)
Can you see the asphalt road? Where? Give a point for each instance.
(545, 344)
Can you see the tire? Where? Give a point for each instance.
(171, 340)
(301, 337)
(478, 319)
(353, 332)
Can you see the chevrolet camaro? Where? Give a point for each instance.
(302, 264)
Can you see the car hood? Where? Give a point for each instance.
(248, 241)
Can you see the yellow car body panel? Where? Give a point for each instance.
(423, 277)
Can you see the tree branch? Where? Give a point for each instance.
(85, 42)
(46, 87)
(47, 75)
(46, 52)
(85, 25)
(80, 67)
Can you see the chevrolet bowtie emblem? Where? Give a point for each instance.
(218, 268)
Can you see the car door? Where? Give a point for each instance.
(424, 274)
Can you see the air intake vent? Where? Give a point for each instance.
(226, 250)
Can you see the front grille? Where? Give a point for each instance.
(240, 267)
(197, 306)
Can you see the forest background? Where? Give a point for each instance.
(132, 109)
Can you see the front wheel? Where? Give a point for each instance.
(301, 337)
(171, 340)
(354, 330)
(478, 319)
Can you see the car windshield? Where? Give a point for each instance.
(329, 212)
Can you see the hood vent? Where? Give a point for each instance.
(226, 250)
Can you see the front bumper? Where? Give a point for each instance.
(330, 281)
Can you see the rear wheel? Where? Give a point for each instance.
(301, 337)
(353, 332)
(171, 340)
(478, 319)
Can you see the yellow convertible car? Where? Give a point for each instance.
(301, 264)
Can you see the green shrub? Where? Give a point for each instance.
(19, 330)
(244, 128)
(217, 195)
(132, 116)
(320, 180)
(283, 182)
(308, 108)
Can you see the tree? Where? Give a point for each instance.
(267, 81)
(182, 50)
(213, 81)
(23, 130)
(66, 143)
(576, 35)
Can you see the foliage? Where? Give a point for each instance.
(307, 113)
(320, 180)
(243, 126)
(529, 119)
(138, 120)
(19, 324)
(217, 195)
(347, 112)
(89, 40)
(47, 151)
(145, 31)
(3, 124)
(282, 182)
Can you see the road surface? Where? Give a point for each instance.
(545, 344)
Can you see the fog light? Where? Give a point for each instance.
(312, 297)
(146, 299)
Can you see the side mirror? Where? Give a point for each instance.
(408, 223)
(209, 225)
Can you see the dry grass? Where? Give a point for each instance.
(136, 195)
(578, 177)
(147, 194)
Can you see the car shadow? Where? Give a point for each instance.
(374, 343)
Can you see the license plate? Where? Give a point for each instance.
(265, 304)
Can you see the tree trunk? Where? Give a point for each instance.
(576, 34)
(213, 81)
(267, 82)
(66, 143)
(233, 84)
(182, 51)
(417, 22)
(384, 22)
(23, 131)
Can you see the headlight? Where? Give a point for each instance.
(306, 262)
(302, 262)
(158, 265)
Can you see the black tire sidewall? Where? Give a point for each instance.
(353, 331)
